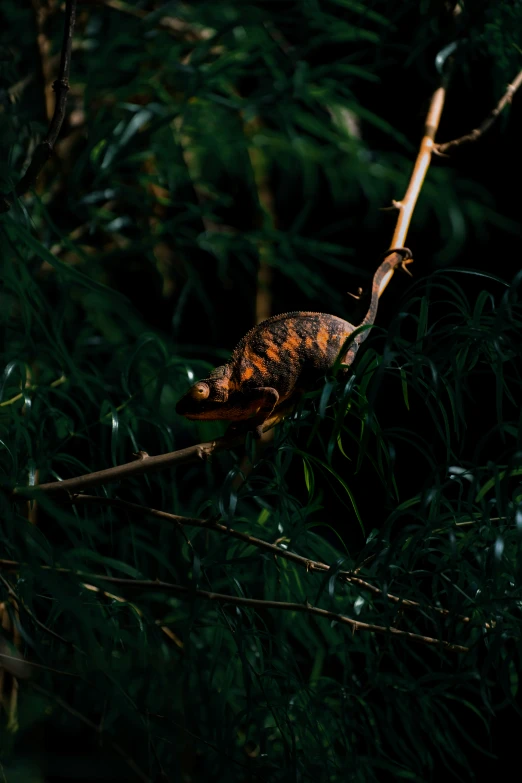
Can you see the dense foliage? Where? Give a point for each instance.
(220, 160)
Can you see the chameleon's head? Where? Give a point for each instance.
(207, 398)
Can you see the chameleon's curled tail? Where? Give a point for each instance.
(399, 256)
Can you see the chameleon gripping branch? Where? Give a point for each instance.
(279, 359)
(259, 351)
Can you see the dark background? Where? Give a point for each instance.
(192, 154)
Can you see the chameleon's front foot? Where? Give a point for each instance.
(405, 252)
(406, 257)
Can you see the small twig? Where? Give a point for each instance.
(181, 457)
(476, 133)
(172, 636)
(45, 149)
(145, 585)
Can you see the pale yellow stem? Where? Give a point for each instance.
(407, 205)
(17, 397)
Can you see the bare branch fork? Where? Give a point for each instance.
(427, 148)
(476, 133)
(45, 148)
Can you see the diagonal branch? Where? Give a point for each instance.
(144, 464)
(45, 149)
(310, 565)
(155, 585)
(257, 603)
(407, 204)
(476, 133)
(427, 148)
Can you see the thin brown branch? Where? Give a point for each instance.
(407, 204)
(112, 597)
(314, 566)
(14, 664)
(45, 149)
(145, 585)
(476, 133)
(258, 603)
(137, 467)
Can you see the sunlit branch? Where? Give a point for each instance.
(143, 464)
(407, 204)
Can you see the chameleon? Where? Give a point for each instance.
(279, 359)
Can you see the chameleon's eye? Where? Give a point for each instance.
(200, 391)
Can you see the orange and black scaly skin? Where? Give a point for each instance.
(278, 359)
